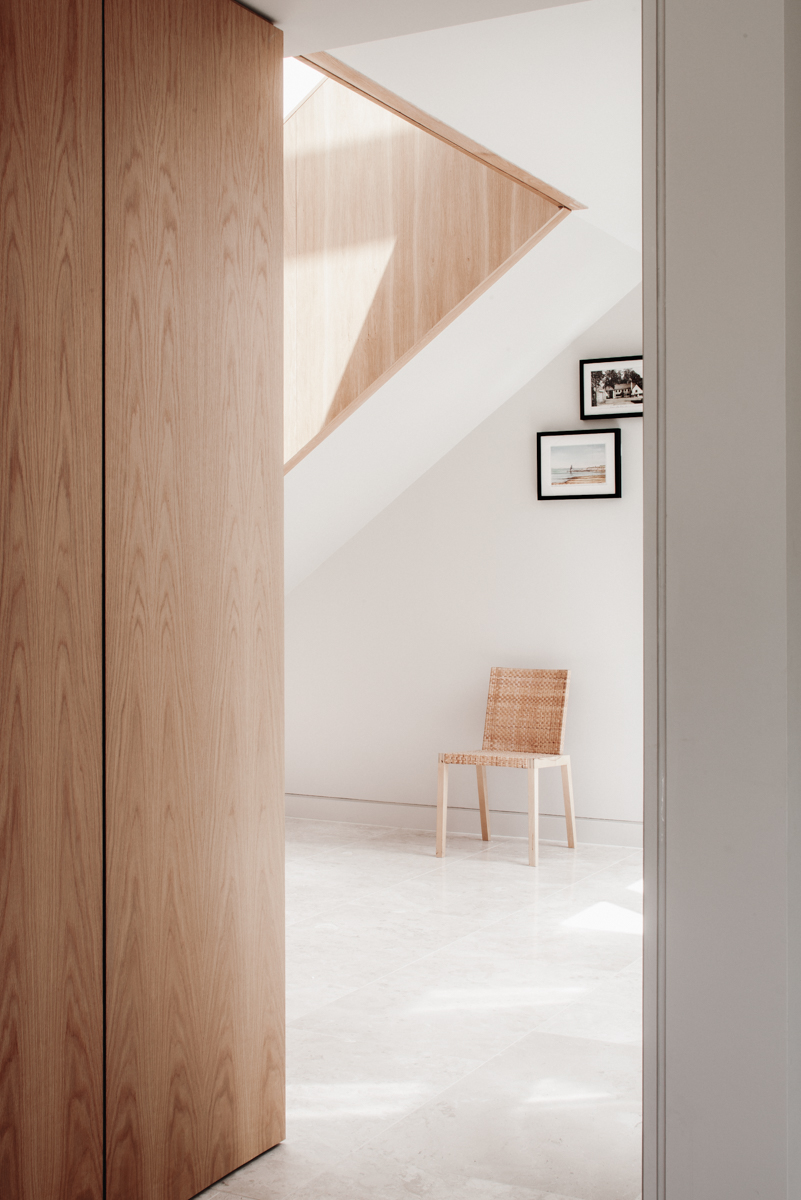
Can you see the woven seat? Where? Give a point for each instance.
(524, 728)
(498, 758)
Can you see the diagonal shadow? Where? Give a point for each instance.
(372, 354)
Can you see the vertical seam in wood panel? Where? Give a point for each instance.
(296, 280)
(103, 570)
(661, 602)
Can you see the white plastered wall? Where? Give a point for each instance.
(390, 642)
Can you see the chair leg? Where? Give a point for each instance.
(442, 807)
(483, 806)
(533, 816)
(570, 812)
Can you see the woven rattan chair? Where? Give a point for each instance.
(524, 728)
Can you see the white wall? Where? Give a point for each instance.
(472, 367)
(390, 642)
(556, 91)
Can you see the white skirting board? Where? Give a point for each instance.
(593, 830)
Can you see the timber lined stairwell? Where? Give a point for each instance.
(394, 224)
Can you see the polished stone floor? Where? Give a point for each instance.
(465, 1027)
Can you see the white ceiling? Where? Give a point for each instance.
(556, 91)
(311, 25)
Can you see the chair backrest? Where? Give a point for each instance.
(526, 710)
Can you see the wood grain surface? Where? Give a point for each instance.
(388, 232)
(51, 722)
(433, 332)
(193, 594)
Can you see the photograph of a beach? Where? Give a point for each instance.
(578, 464)
(574, 465)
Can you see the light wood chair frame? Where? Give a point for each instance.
(506, 744)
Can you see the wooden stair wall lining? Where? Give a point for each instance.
(390, 233)
(434, 332)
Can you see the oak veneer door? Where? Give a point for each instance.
(194, 637)
(51, 699)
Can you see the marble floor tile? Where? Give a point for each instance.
(516, 850)
(451, 1006)
(325, 832)
(477, 887)
(528, 936)
(280, 1173)
(353, 944)
(550, 1114)
(424, 840)
(464, 1027)
(370, 1176)
(599, 1022)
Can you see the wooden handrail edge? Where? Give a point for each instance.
(456, 311)
(353, 79)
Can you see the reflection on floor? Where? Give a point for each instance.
(466, 1027)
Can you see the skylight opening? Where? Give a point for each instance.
(300, 80)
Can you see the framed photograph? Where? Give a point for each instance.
(578, 464)
(611, 387)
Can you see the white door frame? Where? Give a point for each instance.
(653, 1157)
(722, 588)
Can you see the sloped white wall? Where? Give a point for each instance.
(390, 642)
(470, 369)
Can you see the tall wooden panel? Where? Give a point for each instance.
(193, 594)
(51, 703)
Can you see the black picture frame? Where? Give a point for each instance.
(590, 409)
(582, 484)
